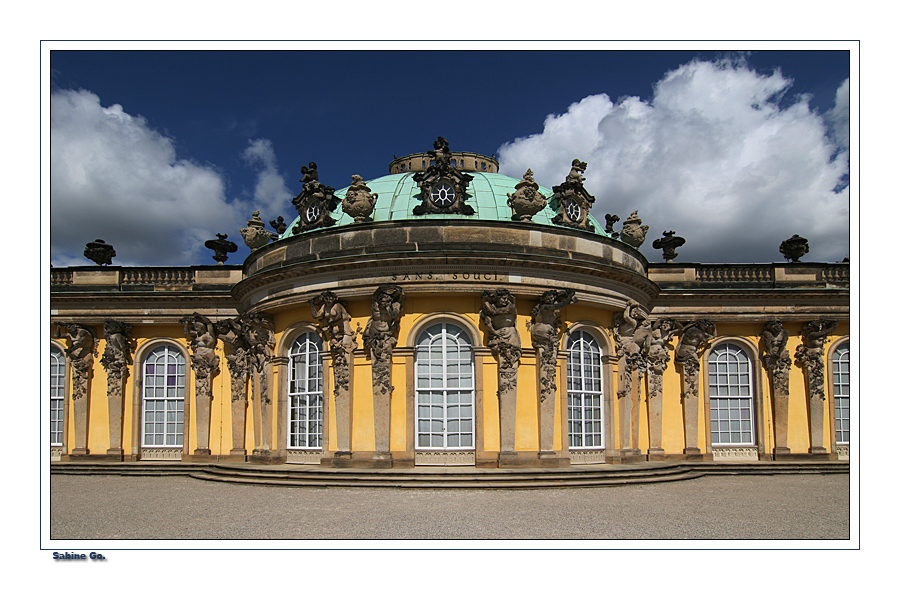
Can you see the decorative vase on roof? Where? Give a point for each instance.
(527, 200)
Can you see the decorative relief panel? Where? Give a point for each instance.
(735, 454)
(445, 458)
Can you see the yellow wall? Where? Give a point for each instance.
(417, 310)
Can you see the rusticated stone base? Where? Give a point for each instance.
(695, 454)
(79, 455)
(805, 457)
(266, 457)
(235, 456)
(552, 459)
(339, 459)
(114, 458)
(626, 456)
(518, 459)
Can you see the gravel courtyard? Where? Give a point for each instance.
(748, 507)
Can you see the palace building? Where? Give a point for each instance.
(446, 314)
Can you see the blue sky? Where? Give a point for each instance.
(734, 151)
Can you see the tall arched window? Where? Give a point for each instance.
(585, 388)
(163, 398)
(57, 394)
(840, 367)
(730, 396)
(305, 393)
(445, 389)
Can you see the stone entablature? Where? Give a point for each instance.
(464, 162)
(431, 257)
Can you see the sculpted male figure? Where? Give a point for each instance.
(327, 309)
(387, 305)
(80, 353)
(498, 310)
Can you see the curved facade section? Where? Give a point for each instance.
(444, 331)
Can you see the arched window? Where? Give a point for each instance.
(730, 396)
(840, 367)
(585, 388)
(163, 398)
(305, 393)
(57, 394)
(445, 389)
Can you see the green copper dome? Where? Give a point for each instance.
(398, 194)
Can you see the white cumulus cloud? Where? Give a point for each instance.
(721, 154)
(115, 178)
(270, 192)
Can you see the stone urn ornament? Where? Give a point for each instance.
(667, 244)
(794, 247)
(527, 200)
(221, 247)
(99, 252)
(633, 233)
(359, 201)
(255, 234)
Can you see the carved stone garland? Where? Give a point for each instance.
(811, 357)
(499, 314)
(334, 327)
(777, 360)
(116, 358)
(202, 335)
(694, 336)
(81, 355)
(380, 338)
(544, 328)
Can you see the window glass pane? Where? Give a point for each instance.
(730, 389)
(584, 383)
(444, 380)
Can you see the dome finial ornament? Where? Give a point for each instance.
(527, 200)
(443, 185)
(359, 201)
(633, 233)
(571, 200)
(315, 202)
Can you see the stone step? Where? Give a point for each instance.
(468, 478)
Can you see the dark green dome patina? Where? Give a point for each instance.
(399, 194)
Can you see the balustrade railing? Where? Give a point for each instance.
(733, 274)
(157, 276)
